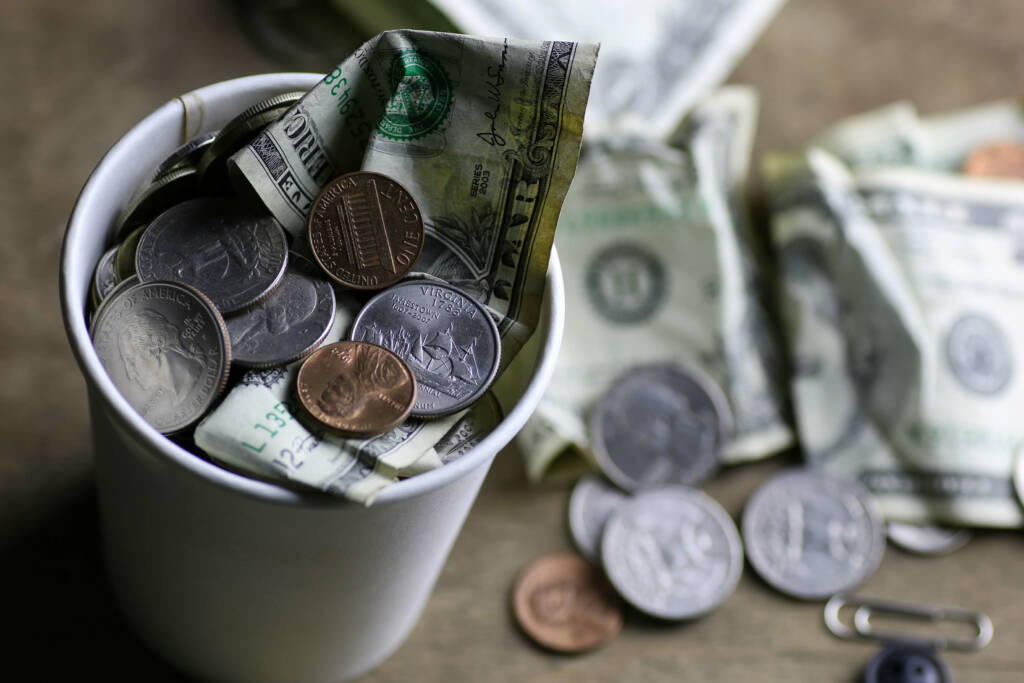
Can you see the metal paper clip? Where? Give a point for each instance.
(866, 607)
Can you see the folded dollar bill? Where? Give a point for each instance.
(902, 287)
(659, 266)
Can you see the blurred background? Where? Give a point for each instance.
(77, 75)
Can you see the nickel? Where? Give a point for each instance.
(563, 603)
(447, 338)
(365, 230)
(660, 424)
(356, 389)
(672, 552)
(811, 536)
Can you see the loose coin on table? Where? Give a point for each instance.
(592, 501)
(660, 424)
(165, 347)
(365, 230)
(287, 325)
(811, 536)
(564, 603)
(231, 251)
(997, 160)
(672, 552)
(926, 539)
(356, 389)
(447, 338)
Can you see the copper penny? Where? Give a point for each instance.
(997, 160)
(356, 388)
(564, 603)
(365, 230)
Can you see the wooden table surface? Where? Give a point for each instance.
(75, 76)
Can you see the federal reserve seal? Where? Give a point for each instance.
(979, 354)
(422, 98)
(626, 283)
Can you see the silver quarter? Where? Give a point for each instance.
(165, 347)
(104, 278)
(447, 338)
(660, 424)
(811, 536)
(232, 252)
(592, 501)
(926, 539)
(672, 552)
(289, 324)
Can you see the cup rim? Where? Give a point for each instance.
(73, 298)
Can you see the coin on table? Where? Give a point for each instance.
(564, 603)
(447, 338)
(233, 252)
(810, 536)
(185, 156)
(356, 389)
(104, 277)
(212, 166)
(926, 539)
(365, 230)
(672, 552)
(173, 187)
(287, 325)
(592, 501)
(660, 424)
(165, 347)
(1003, 159)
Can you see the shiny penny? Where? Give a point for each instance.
(998, 160)
(356, 389)
(365, 230)
(564, 603)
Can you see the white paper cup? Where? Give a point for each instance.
(236, 579)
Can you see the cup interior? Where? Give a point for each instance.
(90, 229)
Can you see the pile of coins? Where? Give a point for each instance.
(648, 536)
(202, 279)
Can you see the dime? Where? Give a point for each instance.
(287, 325)
(365, 230)
(999, 159)
(672, 552)
(104, 278)
(124, 260)
(811, 536)
(356, 389)
(563, 603)
(239, 132)
(185, 156)
(660, 424)
(171, 188)
(165, 347)
(447, 338)
(925, 539)
(233, 252)
(592, 501)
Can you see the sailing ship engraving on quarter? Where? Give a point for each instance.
(811, 536)
(592, 501)
(672, 552)
(356, 389)
(447, 338)
(563, 603)
(660, 424)
(287, 325)
(365, 230)
(165, 347)
(232, 252)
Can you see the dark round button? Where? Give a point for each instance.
(907, 663)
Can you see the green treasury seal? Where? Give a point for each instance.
(422, 97)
